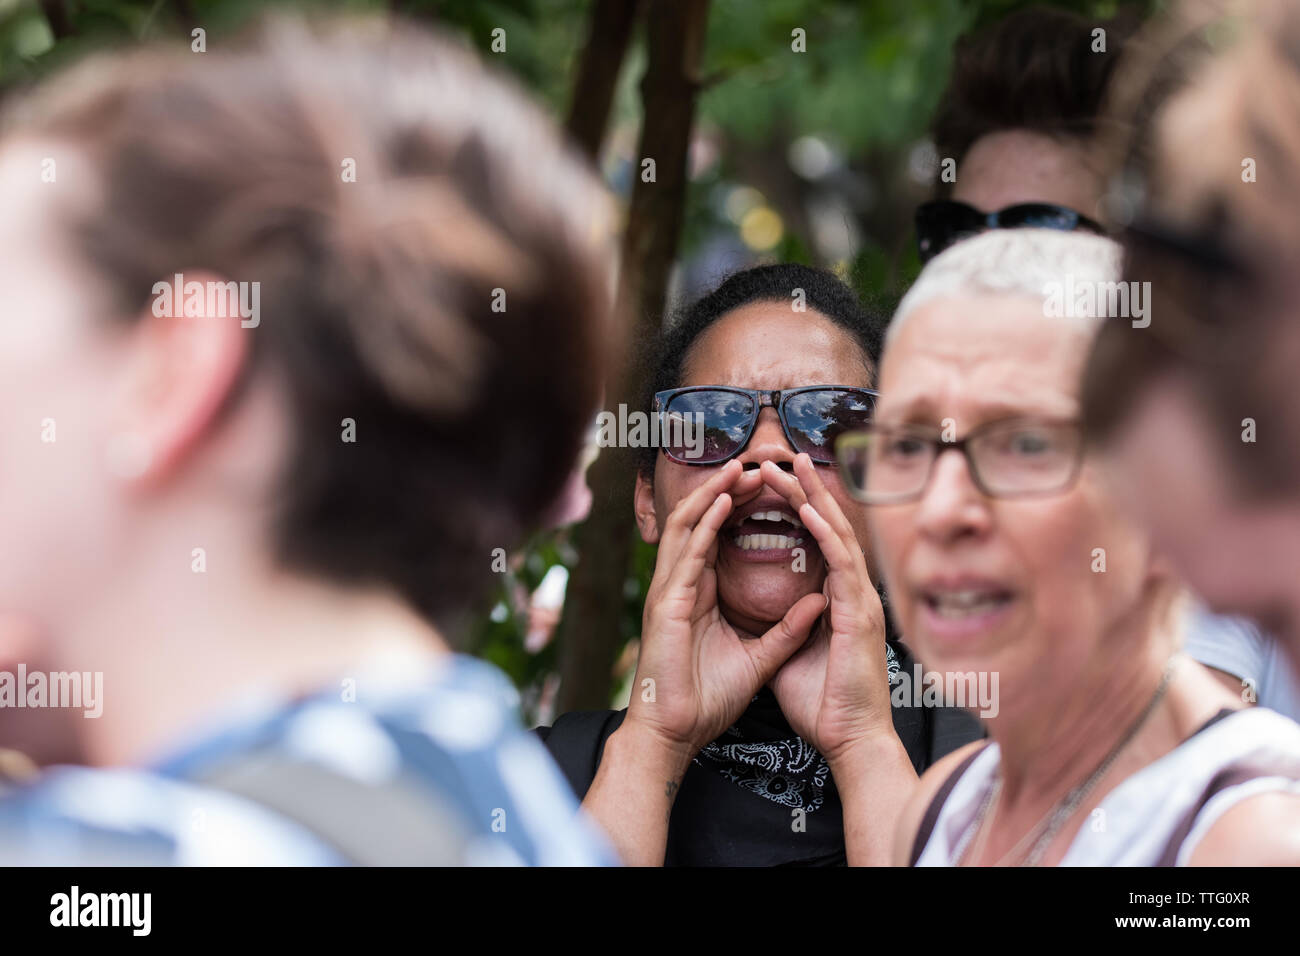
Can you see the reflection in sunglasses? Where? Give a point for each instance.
(811, 417)
(684, 433)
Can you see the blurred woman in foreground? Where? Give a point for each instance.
(1199, 413)
(261, 430)
(1003, 551)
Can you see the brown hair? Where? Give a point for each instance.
(377, 295)
(1033, 70)
(1233, 71)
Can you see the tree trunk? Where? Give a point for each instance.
(59, 18)
(590, 629)
(598, 71)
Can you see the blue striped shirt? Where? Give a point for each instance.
(451, 735)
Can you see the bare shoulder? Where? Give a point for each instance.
(926, 788)
(1263, 830)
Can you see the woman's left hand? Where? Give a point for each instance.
(834, 691)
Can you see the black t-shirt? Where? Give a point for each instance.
(759, 795)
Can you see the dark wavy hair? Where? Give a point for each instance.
(1034, 70)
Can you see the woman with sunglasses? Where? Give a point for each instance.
(760, 717)
(1006, 553)
(1019, 121)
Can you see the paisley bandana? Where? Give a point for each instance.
(762, 754)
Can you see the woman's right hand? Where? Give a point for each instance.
(696, 674)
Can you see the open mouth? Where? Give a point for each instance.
(770, 530)
(965, 603)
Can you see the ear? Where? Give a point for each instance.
(643, 504)
(181, 366)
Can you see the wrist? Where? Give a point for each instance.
(865, 752)
(650, 751)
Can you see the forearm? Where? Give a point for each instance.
(633, 794)
(875, 780)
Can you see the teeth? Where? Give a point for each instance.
(766, 542)
(966, 603)
(775, 516)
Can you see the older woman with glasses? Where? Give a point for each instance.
(1003, 552)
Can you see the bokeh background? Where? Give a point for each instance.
(788, 130)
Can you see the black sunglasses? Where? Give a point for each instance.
(711, 424)
(941, 223)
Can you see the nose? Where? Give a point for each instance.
(952, 507)
(768, 443)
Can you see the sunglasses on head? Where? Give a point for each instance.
(711, 424)
(941, 223)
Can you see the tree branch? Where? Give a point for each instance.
(598, 71)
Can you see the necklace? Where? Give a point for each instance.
(1050, 824)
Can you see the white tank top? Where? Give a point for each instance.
(1159, 814)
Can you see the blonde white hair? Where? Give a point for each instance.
(1017, 262)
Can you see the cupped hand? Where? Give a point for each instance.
(696, 673)
(834, 690)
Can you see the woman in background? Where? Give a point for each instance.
(1024, 119)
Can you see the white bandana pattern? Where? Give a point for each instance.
(788, 772)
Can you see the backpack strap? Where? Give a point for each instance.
(577, 744)
(398, 822)
(931, 817)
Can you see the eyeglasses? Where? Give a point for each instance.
(941, 223)
(1012, 458)
(711, 424)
